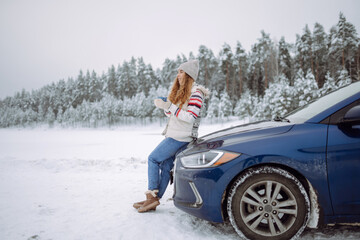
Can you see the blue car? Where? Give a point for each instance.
(272, 179)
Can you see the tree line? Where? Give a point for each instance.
(273, 78)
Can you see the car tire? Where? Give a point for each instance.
(268, 202)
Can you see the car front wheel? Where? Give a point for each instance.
(268, 202)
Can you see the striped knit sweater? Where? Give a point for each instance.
(182, 119)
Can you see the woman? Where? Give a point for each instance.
(183, 109)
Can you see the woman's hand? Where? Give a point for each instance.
(159, 103)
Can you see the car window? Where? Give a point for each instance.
(339, 115)
(323, 103)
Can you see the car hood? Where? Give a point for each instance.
(238, 134)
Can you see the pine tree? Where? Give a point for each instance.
(343, 46)
(151, 77)
(168, 72)
(304, 56)
(59, 100)
(267, 53)
(142, 106)
(225, 105)
(253, 70)
(112, 109)
(128, 82)
(207, 65)
(112, 82)
(191, 55)
(344, 78)
(226, 60)
(50, 117)
(285, 60)
(213, 109)
(87, 93)
(332, 58)
(299, 85)
(142, 77)
(305, 87)
(70, 93)
(103, 85)
(329, 85)
(262, 64)
(146, 77)
(129, 107)
(240, 63)
(245, 105)
(80, 89)
(277, 100)
(320, 53)
(95, 88)
(283, 101)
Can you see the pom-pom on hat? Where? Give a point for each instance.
(191, 67)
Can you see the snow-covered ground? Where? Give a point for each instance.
(81, 184)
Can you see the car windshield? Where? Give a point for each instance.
(319, 105)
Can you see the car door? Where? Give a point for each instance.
(343, 161)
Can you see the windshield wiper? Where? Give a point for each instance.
(281, 119)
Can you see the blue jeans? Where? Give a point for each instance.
(160, 163)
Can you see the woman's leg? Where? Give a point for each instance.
(160, 162)
(162, 157)
(165, 169)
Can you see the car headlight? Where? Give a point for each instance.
(207, 159)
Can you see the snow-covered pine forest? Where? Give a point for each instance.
(273, 78)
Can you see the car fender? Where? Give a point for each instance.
(276, 150)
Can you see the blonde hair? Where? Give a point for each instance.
(180, 94)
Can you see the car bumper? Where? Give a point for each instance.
(200, 192)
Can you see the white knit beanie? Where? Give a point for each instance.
(191, 67)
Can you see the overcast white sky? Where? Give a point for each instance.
(43, 41)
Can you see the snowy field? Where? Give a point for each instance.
(81, 184)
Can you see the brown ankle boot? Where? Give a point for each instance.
(137, 205)
(151, 202)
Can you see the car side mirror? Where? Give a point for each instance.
(352, 116)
